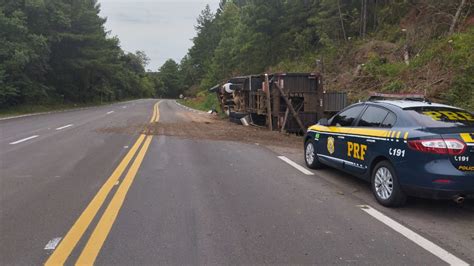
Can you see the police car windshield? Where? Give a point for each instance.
(428, 116)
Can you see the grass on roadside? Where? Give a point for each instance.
(204, 101)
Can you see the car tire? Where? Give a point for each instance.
(386, 187)
(310, 155)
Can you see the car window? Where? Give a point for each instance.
(441, 117)
(347, 117)
(389, 120)
(372, 117)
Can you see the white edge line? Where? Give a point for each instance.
(61, 111)
(110, 112)
(295, 165)
(63, 127)
(189, 108)
(53, 243)
(416, 238)
(22, 140)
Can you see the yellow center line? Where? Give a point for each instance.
(100, 233)
(157, 111)
(62, 252)
(154, 113)
(69, 242)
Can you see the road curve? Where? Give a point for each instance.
(172, 200)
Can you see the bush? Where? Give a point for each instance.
(394, 86)
(461, 92)
(204, 101)
(378, 67)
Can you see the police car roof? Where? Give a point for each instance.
(410, 104)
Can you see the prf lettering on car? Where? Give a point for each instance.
(356, 150)
(466, 168)
(449, 115)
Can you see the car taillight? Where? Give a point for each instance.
(442, 181)
(438, 146)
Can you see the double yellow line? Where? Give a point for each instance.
(101, 231)
(156, 113)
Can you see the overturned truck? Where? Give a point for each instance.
(281, 101)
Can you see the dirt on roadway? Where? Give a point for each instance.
(201, 125)
(214, 128)
(211, 127)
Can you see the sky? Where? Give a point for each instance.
(163, 29)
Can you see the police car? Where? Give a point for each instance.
(403, 147)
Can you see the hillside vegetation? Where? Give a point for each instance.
(360, 46)
(58, 53)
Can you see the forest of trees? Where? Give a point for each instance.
(57, 51)
(251, 36)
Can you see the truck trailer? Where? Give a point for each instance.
(296, 100)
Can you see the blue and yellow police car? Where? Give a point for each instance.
(402, 147)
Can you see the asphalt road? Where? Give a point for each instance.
(86, 186)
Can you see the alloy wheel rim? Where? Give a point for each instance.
(309, 153)
(383, 183)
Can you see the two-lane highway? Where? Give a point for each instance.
(46, 182)
(101, 191)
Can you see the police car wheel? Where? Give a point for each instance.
(310, 155)
(385, 186)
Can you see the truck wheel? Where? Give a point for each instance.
(386, 187)
(310, 155)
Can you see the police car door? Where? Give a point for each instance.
(334, 147)
(365, 138)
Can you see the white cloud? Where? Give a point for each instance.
(161, 28)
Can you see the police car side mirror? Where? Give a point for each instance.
(323, 122)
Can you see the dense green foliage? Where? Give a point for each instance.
(335, 37)
(168, 84)
(203, 101)
(57, 51)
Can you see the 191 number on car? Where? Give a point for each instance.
(461, 158)
(396, 152)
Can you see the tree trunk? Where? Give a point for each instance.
(456, 17)
(363, 19)
(375, 15)
(406, 55)
(342, 21)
